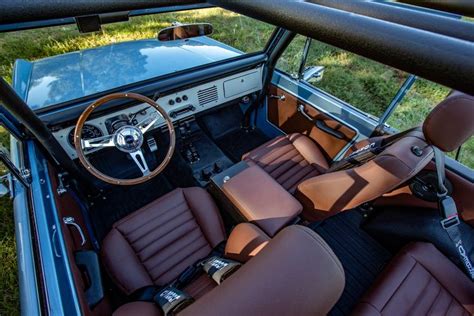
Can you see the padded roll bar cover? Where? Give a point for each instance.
(451, 122)
(295, 274)
(245, 241)
(334, 192)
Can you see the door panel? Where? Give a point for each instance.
(331, 135)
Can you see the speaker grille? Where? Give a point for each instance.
(207, 95)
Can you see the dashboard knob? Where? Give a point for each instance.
(171, 102)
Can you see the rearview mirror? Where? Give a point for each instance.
(183, 31)
(313, 73)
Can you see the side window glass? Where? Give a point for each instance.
(363, 83)
(290, 61)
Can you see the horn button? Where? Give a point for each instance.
(128, 139)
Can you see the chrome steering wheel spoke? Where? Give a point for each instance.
(146, 124)
(140, 161)
(98, 142)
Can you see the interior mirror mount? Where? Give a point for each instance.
(313, 73)
(179, 31)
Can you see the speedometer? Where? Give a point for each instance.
(88, 132)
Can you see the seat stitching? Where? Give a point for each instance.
(180, 214)
(194, 217)
(146, 207)
(166, 233)
(174, 252)
(289, 165)
(165, 246)
(154, 217)
(399, 285)
(192, 253)
(277, 156)
(421, 292)
(281, 160)
(450, 305)
(435, 299)
(434, 277)
(144, 268)
(180, 220)
(307, 170)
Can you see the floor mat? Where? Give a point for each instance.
(361, 256)
(224, 127)
(238, 142)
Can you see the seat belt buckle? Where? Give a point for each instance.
(171, 300)
(448, 209)
(450, 222)
(220, 269)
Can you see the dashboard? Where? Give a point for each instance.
(179, 105)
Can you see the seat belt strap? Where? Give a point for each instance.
(450, 221)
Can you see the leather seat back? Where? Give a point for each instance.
(448, 125)
(153, 245)
(295, 274)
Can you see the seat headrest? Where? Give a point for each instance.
(451, 122)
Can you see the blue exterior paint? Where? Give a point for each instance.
(70, 76)
(56, 272)
(24, 237)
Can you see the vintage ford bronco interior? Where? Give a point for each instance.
(227, 186)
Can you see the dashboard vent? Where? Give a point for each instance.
(207, 95)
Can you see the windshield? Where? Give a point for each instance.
(124, 53)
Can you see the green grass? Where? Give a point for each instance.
(370, 86)
(9, 304)
(361, 82)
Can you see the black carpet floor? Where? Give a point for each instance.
(361, 256)
(238, 142)
(224, 127)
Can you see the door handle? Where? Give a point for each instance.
(278, 97)
(320, 124)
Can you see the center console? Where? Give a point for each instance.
(201, 153)
(256, 197)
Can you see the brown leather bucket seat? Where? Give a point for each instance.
(152, 246)
(296, 162)
(419, 281)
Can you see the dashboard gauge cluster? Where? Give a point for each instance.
(179, 105)
(89, 131)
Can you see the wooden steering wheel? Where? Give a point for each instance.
(128, 138)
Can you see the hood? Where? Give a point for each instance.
(70, 76)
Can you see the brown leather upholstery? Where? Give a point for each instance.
(333, 192)
(261, 200)
(139, 309)
(155, 244)
(295, 274)
(451, 122)
(419, 281)
(289, 159)
(245, 242)
(285, 115)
